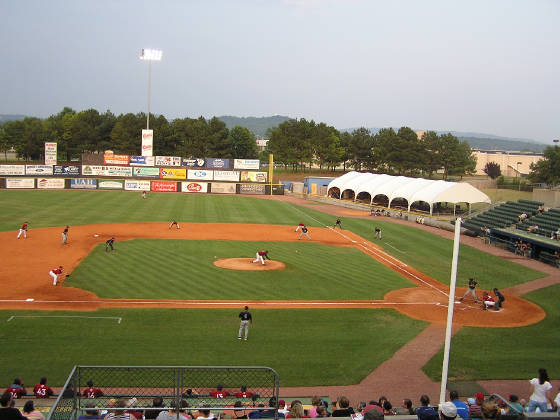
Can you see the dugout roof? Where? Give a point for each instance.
(410, 189)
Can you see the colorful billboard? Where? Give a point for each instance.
(142, 161)
(136, 185)
(217, 163)
(164, 186)
(38, 170)
(12, 169)
(226, 176)
(146, 172)
(168, 161)
(50, 183)
(251, 176)
(222, 188)
(50, 153)
(20, 182)
(172, 173)
(83, 183)
(95, 170)
(111, 159)
(194, 187)
(110, 184)
(246, 164)
(200, 174)
(67, 170)
(193, 162)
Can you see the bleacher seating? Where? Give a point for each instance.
(503, 215)
(548, 222)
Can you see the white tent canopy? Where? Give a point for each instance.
(409, 189)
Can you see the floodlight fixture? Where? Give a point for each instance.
(151, 54)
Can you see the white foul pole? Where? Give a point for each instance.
(453, 281)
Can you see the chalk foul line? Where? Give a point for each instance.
(118, 319)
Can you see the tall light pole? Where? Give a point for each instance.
(150, 55)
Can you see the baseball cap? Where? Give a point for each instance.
(470, 401)
(479, 396)
(448, 409)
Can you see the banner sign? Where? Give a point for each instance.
(38, 170)
(168, 161)
(193, 162)
(200, 174)
(131, 185)
(222, 188)
(110, 159)
(194, 187)
(20, 182)
(246, 164)
(172, 173)
(217, 163)
(50, 153)
(251, 189)
(142, 161)
(226, 176)
(12, 169)
(110, 184)
(83, 183)
(147, 142)
(67, 170)
(95, 170)
(165, 186)
(50, 183)
(146, 172)
(250, 176)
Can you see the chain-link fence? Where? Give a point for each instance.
(148, 390)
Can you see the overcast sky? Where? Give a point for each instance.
(473, 65)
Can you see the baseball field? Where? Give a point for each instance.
(342, 304)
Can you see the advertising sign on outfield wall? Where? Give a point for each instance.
(12, 169)
(217, 163)
(50, 153)
(50, 183)
(147, 142)
(172, 173)
(95, 170)
(251, 176)
(222, 188)
(111, 159)
(201, 174)
(164, 186)
(146, 172)
(110, 184)
(131, 185)
(38, 170)
(252, 189)
(194, 187)
(194, 162)
(83, 183)
(168, 161)
(67, 170)
(20, 182)
(246, 164)
(142, 161)
(226, 176)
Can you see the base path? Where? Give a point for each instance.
(26, 283)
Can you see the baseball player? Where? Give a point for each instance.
(470, 290)
(337, 223)
(304, 231)
(65, 235)
(487, 301)
(378, 233)
(500, 298)
(109, 244)
(246, 320)
(23, 230)
(300, 226)
(143, 194)
(54, 273)
(42, 390)
(91, 391)
(261, 256)
(174, 223)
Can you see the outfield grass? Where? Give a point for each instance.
(183, 269)
(305, 346)
(506, 353)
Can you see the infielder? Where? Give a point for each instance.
(174, 223)
(109, 244)
(246, 320)
(470, 290)
(65, 235)
(304, 231)
(300, 226)
(261, 256)
(378, 233)
(337, 223)
(54, 274)
(23, 230)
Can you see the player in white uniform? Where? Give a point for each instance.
(261, 256)
(23, 230)
(304, 231)
(54, 274)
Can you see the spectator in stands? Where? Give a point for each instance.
(267, 414)
(388, 408)
(373, 415)
(133, 402)
(30, 412)
(91, 391)
(315, 402)
(91, 413)
(557, 404)
(533, 228)
(448, 411)
(540, 392)
(522, 216)
(238, 412)
(462, 409)
(174, 413)
(118, 413)
(7, 410)
(204, 414)
(283, 407)
(540, 210)
(69, 392)
(243, 393)
(557, 259)
(42, 390)
(406, 408)
(490, 410)
(156, 402)
(219, 392)
(296, 411)
(343, 408)
(322, 411)
(190, 394)
(485, 230)
(17, 390)
(475, 406)
(516, 408)
(425, 412)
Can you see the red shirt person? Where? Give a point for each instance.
(17, 390)
(91, 391)
(42, 390)
(219, 392)
(243, 393)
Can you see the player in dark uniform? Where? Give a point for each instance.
(65, 235)
(378, 233)
(500, 298)
(470, 290)
(109, 244)
(246, 320)
(337, 223)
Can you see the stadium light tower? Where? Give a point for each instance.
(150, 55)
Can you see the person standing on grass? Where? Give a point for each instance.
(246, 320)
(109, 244)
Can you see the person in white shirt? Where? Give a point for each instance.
(541, 392)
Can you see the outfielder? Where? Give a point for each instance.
(470, 290)
(246, 320)
(304, 231)
(261, 256)
(378, 233)
(54, 274)
(23, 230)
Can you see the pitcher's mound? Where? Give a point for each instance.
(246, 264)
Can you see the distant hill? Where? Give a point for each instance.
(257, 125)
(8, 117)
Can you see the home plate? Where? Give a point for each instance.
(29, 300)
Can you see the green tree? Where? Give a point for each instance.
(431, 144)
(12, 135)
(361, 146)
(456, 157)
(126, 133)
(326, 145)
(547, 170)
(492, 169)
(242, 143)
(31, 146)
